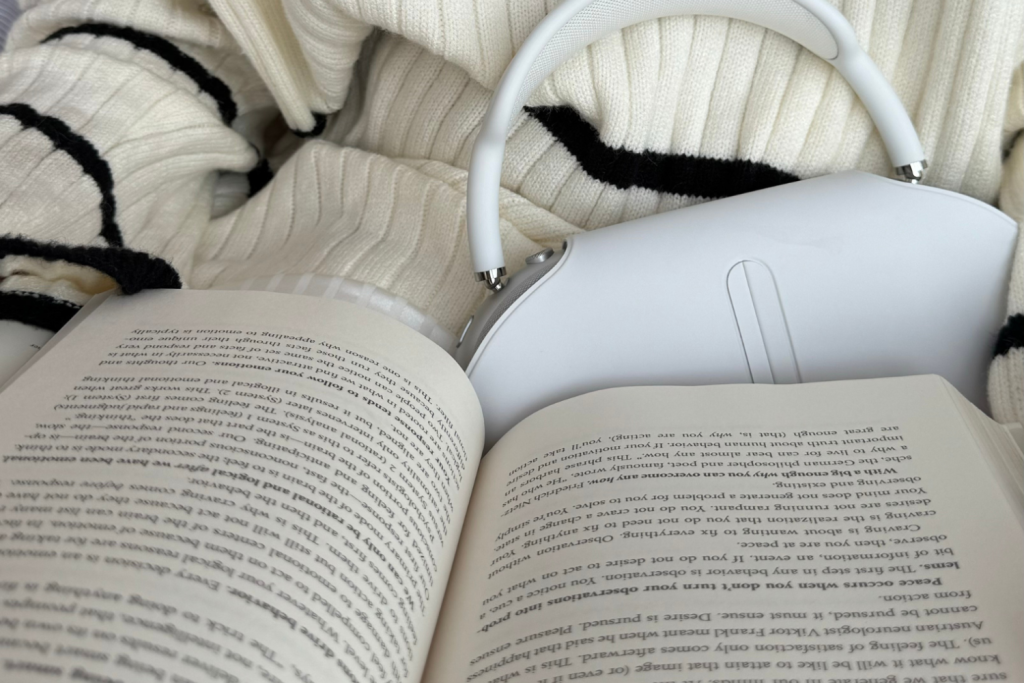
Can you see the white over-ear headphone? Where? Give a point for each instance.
(836, 277)
(815, 24)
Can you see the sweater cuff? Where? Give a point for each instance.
(45, 284)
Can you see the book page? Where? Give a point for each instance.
(836, 532)
(231, 486)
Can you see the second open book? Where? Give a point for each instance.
(241, 486)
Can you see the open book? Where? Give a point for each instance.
(243, 486)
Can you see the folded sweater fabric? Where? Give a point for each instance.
(186, 143)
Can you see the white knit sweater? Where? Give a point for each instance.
(132, 133)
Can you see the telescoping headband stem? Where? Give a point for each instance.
(814, 24)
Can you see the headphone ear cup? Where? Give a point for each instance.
(496, 306)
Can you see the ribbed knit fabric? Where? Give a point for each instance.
(9, 11)
(659, 116)
(1006, 376)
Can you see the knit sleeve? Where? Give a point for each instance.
(117, 118)
(305, 50)
(1006, 376)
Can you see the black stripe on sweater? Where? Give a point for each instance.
(83, 152)
(36, 309)
(1011, 336)
(132, 270)
(1014, 139)
(170, 53)
(319, 123)
(668, 173)
(259, 176)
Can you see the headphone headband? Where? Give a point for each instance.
(574, 24)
